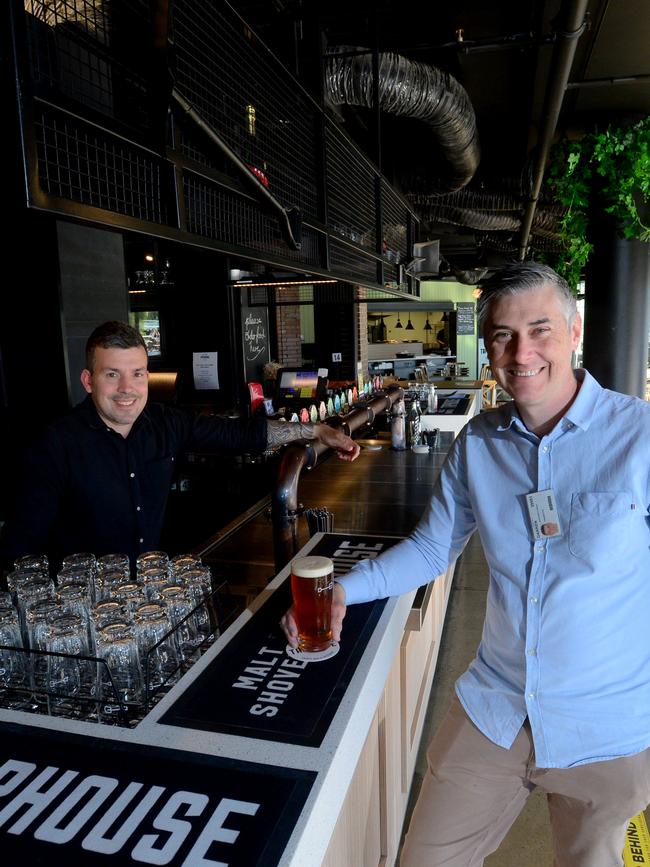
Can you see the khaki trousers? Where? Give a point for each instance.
(474, 790)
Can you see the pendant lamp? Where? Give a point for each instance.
(427, 324)
(398, 324)
(409, 324)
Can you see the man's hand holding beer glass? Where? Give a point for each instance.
(288, 622)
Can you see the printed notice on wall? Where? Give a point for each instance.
(206, 371)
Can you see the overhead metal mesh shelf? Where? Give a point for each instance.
(109, 134)
(83, 163)
(248, 98)
(213, 212)
(351, 191)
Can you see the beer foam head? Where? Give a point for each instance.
(311, 567)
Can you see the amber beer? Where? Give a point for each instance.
(312, 580)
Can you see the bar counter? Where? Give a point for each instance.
(383, 491)
(253, 757)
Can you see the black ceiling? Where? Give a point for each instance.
(503, 54)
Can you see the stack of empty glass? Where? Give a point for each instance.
(98, 643)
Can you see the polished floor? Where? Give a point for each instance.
(528, 844)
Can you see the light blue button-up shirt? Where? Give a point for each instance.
(566, 639)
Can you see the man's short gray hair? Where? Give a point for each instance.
(517, 277)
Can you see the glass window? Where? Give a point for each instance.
(148, 324)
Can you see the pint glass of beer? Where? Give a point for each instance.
(312, 580)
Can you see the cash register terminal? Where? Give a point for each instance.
(298, 387)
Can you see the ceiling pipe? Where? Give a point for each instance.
(574, 25)
(609, 82)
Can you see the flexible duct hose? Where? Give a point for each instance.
(415, 90)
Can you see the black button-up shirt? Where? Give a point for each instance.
(88, 488)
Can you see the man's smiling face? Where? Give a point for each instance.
(530, 344)
(118, 384)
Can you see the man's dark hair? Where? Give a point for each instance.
(519, 277)
(112, 335)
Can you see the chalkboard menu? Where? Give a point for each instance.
(255, 341)
(254, 689)
(465, 317)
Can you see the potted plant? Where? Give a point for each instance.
(616, 164)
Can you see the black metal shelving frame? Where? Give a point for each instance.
(104, 140)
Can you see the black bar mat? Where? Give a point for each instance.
(253, 689)
(80, 801)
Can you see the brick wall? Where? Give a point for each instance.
(288, 329)
(362, 331)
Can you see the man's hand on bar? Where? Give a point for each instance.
(288, 622)
(345, 447)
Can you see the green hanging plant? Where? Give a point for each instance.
(621, 157)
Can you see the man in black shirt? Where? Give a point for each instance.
(99, 478)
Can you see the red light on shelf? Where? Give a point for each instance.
(259, 174)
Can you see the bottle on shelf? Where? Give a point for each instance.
(413, 424)
(432, 399)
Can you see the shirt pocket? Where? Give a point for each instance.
(159, 472)
(603, 524)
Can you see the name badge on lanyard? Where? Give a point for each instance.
(542, 512)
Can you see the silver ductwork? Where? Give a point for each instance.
(415, 90)
(487, 212)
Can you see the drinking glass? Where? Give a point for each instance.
(80, 577)
(156, 646)
(114, 562)
(83, 561)
(153, 574)
(73, 599)
(107, 581)
(13, 661)
(33, 563)
(119, 682)
(177, 601)
(19, 576)
(183, 562)
(131, 594)
(105, 613)
(151, 558)
(71, 682)
(36, 587)
(312, 580)
(38, 616)
(198, 582)
(153, 589)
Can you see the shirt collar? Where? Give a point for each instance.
(89, 410)
(95, 421)
(583, 408)
(579, 414)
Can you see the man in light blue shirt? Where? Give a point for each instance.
(558, 697)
